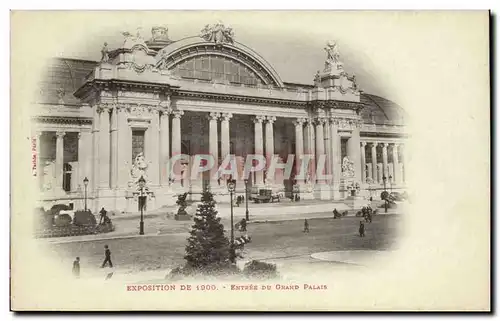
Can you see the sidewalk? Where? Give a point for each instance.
(160, 226)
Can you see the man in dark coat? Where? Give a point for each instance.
(76, 267)
(243, 225)
(306, 226)
(361, 229)
(107, 257)
(103, 214)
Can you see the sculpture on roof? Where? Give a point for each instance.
(217, 33)
(105, 53)
(159, 33)
(332, 57)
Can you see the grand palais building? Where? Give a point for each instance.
(153, 98)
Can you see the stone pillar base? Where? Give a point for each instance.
(306, 191)
(164, 196)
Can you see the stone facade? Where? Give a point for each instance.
(144, 105)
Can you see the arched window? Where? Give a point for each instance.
(220, 69)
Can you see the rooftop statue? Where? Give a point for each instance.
(332, 57)
(159, 33)
(105, 53)
(217, 33)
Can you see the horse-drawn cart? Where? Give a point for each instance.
(266, 195)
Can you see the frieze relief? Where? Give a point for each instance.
(135, 94)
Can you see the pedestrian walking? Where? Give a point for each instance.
(306, 226)
(361, 229)
(107, 257)
(76, 267)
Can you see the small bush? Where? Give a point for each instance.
(63, 220)
(84, 218)
(261, 270)
(54, 210)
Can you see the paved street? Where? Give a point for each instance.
(272, 241)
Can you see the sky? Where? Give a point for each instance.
(294, 48)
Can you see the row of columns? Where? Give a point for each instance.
(83, 159)
(322, 137)
(384, 171)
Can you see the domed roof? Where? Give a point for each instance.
(63, 76)
(381, 111)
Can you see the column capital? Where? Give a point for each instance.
(178, 113)
(105, 108)
(385, 145)
(299, 121)
(259, 119)
(396, 145)
(375, 144)
(320, 121)
(270, 119)
(165, 104)
(38, 133)
(363, 144)
(226, 116)
(213, 116)
(60, 134)
(165, 111)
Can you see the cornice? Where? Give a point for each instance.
(63, 120)
(238, 98)
(335, 104)
(120, 85)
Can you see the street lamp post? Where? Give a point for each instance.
(142, 182)
(231, 187)
(85, 183)
(385, 193)
(247, 217)
(390, 182)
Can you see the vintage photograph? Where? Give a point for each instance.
(200, 156)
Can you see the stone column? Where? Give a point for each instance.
(363, 162)
(380, 170)
(164, 145)
(104, 157)
(369, 171)
(176, 141)
(299, 143)
(310, 150)
(395, 161)
(320, 145)
(153, 154)
(84, 157)
(269, 139)
(123, 147)
(213, 146)
(81, 161)
(328, 147)
(94, 180)
(384, 160)
(59, 160)
(336, 168)
(375, 177)
(353, 150)
(225, 139)
(114, 148)
(259, 148)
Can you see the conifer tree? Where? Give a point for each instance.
(207, 246)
